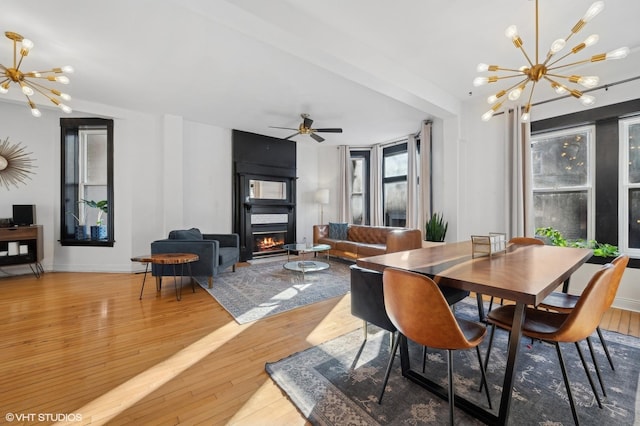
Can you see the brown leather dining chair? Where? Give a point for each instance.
(572, 327)
(565, 302)
(420, 312)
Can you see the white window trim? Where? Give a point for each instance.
(590, 130)
(625, 185)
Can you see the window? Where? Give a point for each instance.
(563, 182)
(87, 182)
(394, 184)
(630, 186)
(360, 187)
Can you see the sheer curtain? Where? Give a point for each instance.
(344, 213)
(377, 209)
(413, 217)
(518, 196)
(424, 187)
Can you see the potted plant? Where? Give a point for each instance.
(98, 231)
(436, 228)
(600, 250)
(80, 229)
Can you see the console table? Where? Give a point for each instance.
(20, 245)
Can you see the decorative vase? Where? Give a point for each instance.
(99, 232)
(81, 232)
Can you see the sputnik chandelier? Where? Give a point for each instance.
(28, 81)
(547, 70)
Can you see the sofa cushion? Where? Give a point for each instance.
(338, 231)
(186, 234)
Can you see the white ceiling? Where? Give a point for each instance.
(376, 68)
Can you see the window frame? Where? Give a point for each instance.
(625, 186)
(590, 130)
(402, 147)
(365, 156)
(70, 127)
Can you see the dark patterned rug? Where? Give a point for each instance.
(338, 382)
(264, 289)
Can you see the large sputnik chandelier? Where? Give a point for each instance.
(28, 81)
(548, 69)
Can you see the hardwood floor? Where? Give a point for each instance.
(83, 344)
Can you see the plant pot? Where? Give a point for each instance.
(99, 232)
(81, 232)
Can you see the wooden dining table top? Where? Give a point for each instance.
(524, 273)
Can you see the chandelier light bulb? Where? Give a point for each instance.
(511, 32)
(3, 89)
(525, 117)
(63, 79)
(482, 67)
(487, 115)
(480, 81)
(559, 89)
(514, 95)
(589, 81)
(587, 100)
(619, 53)
(65, 96)
(591, 40)
(28, 91)
(65, 108)
(68, 69)
(593, 11)
(36, 112)
(557, 46)
(492, 99)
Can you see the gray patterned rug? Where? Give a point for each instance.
(264, 289)
(338, 382)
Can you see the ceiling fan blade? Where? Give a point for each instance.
(329, 130)
(307, 122)
(316, 137)
(287, 128)
(295, 134)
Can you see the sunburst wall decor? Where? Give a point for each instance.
(15, 164)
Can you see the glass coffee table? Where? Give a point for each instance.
(304, 265)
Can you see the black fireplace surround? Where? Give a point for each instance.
(272, 161)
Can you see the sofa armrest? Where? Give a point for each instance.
(404, 239)
(226, 240)
(207, 252)
(320, 231)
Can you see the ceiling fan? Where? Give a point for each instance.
(306, 129)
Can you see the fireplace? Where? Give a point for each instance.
(268, 242)
(264, 193)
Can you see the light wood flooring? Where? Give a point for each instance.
(83, 344)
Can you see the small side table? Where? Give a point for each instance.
(168, 259)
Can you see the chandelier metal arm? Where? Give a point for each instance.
(594, 58)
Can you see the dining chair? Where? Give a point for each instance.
(521, 241)
(420, 312)
(572, 327)
(565, 302)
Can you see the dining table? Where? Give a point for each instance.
(524, 274)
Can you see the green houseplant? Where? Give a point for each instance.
(436, 228)
(556, 238)
(98, 231)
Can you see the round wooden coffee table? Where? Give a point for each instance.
(168, 259)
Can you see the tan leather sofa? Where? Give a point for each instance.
(364, 241)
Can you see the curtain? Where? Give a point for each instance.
(344, 213)
(377, 209)
(424, 188)
(518, 196)
(413, 218)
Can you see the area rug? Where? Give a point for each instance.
(260, 290)
(338, 382)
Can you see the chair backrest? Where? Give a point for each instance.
(594, 301)
(417, 308)
(526, 241)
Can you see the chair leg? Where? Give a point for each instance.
(604, 346)
(386, 374)
(451, 390)
(486, 359)
(566, 384)
(210, 279)
(424, 358)
(484, 377)
(595, 364)
(586, 370)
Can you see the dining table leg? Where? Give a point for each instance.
(512, 356)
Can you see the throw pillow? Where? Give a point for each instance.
(338, 231)
(186, 234)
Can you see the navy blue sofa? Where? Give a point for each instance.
(217, 252)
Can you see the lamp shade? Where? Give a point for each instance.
(322, 196)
